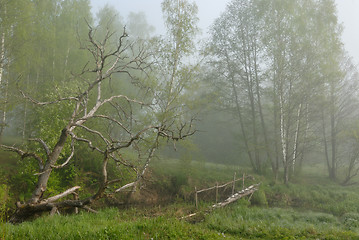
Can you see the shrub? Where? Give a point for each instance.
(259, 199)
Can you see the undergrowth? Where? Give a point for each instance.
(309, 208)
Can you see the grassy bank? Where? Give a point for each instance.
(311, 207)
(235, 222)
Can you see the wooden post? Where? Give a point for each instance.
(76, 197)
(234, 182)
(196, 197)
(217, 192)
(243, 181)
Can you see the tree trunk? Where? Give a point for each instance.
(249, 82)
(264, 129)
(296, 137)
(326, 146)
(52, 159)
(239, 113)
(333, 135)
(2, 63)
(286, 173)
(332, 174)
(283, 137)
(305, 141)
(2, 56)
(275, 163)
(241, 122)
(66, 63)
(3, 123)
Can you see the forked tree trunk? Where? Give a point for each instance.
(46, 171)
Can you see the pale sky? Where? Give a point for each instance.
(348, 13)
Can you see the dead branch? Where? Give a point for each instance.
(69, 158)
(61, 195)
(34, 101)
(89, 209)
(128, 185)
(24, 154)
(114, 121)
(140, 176)
(89, 143)
(107, 142)
(44, 145)
(131, 140)
(123, 162)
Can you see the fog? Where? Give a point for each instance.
(211, 9)
(146, 101)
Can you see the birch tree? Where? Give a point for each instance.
(274, 52)
(237, 53)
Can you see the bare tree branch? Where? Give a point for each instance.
(24, 154)
(106, 141)
(90, 144)
(47, 103)
(69, 158)
(61, 195)
(113, 120)
(44, 145)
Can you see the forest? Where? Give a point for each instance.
(98, 114)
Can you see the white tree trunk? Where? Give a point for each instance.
(283, 137)
(295, 145)
(282, 129)
(25, 110)
(2, 56)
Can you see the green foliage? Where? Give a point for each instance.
(259, 198)
(329, 198)
(351, 221)
(4, 201)
(181, 22)
(23, 180)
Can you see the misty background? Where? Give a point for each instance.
(211, 9)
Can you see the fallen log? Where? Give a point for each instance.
(249, 190)
(245, 192)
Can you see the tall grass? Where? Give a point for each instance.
(276, 223)
(238, 221)
(108, 224)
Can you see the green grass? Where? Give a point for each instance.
(312, 207)
(328, 198)
(237, 221)
(109, 224)
(277, 223)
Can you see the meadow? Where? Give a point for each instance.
(312, 207)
